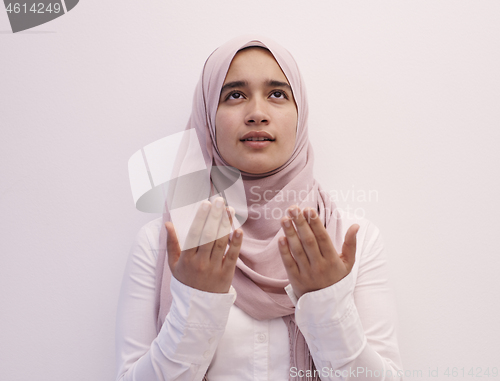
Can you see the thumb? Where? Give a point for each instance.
(348, 254)
(173, 247)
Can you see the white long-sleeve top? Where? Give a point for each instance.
(350, 327)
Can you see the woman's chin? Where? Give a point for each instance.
(256, 169)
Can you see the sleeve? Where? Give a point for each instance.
(186, 343)
(350, 327)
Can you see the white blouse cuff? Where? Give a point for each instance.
(200, 308)
(195, 323)
(330, 323)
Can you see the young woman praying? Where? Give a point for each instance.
(301, 296)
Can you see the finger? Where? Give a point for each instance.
(194, 233)
(348, 254)
(173, 248)
(323, 239)
(231, 213)
(220, 244)
(209, 233)
(229, 260)
(225, 223)
(305, 234)
(291, 267)
(294, 244)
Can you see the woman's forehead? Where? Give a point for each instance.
(253, 63)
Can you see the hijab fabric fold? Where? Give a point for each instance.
(260, 277)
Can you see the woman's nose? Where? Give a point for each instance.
(257, 113)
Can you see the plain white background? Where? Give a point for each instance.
(404, 99)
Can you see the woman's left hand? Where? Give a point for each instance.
(308, 253)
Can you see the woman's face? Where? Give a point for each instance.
(256, 99)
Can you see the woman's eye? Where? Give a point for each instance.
(235, 96)
(278, 94)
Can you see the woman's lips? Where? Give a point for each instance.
(256, 143)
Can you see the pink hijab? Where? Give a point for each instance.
(260, 277)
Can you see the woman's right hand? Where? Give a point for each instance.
(205, 267)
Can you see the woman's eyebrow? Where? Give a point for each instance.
(269, 83)
(232, 85)
(274, 83)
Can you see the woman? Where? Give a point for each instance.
(282, 297)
